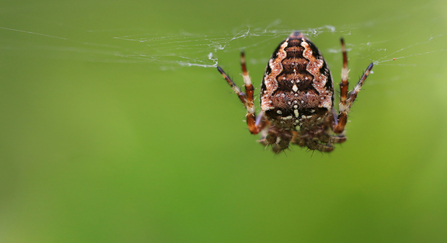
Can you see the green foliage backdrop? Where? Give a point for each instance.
(106, 139)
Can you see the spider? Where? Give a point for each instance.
(297, 97)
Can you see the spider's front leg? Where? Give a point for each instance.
(345, 101)
(255, 124)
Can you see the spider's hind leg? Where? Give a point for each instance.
(255, 124)
(345, 101)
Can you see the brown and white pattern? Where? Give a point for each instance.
(297, 95)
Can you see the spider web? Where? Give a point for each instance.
(201, 50)
(171, 51)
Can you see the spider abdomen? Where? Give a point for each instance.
(297, 84)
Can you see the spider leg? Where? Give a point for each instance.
(345, 101)
(356, 90)
(255, 124)
(341, 138)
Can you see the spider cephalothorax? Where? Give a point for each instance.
(297, 96)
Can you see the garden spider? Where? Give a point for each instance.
(297, 96)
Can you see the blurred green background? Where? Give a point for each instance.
(108, 135)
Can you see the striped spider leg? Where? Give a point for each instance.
(255, 124)
(345, 101)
